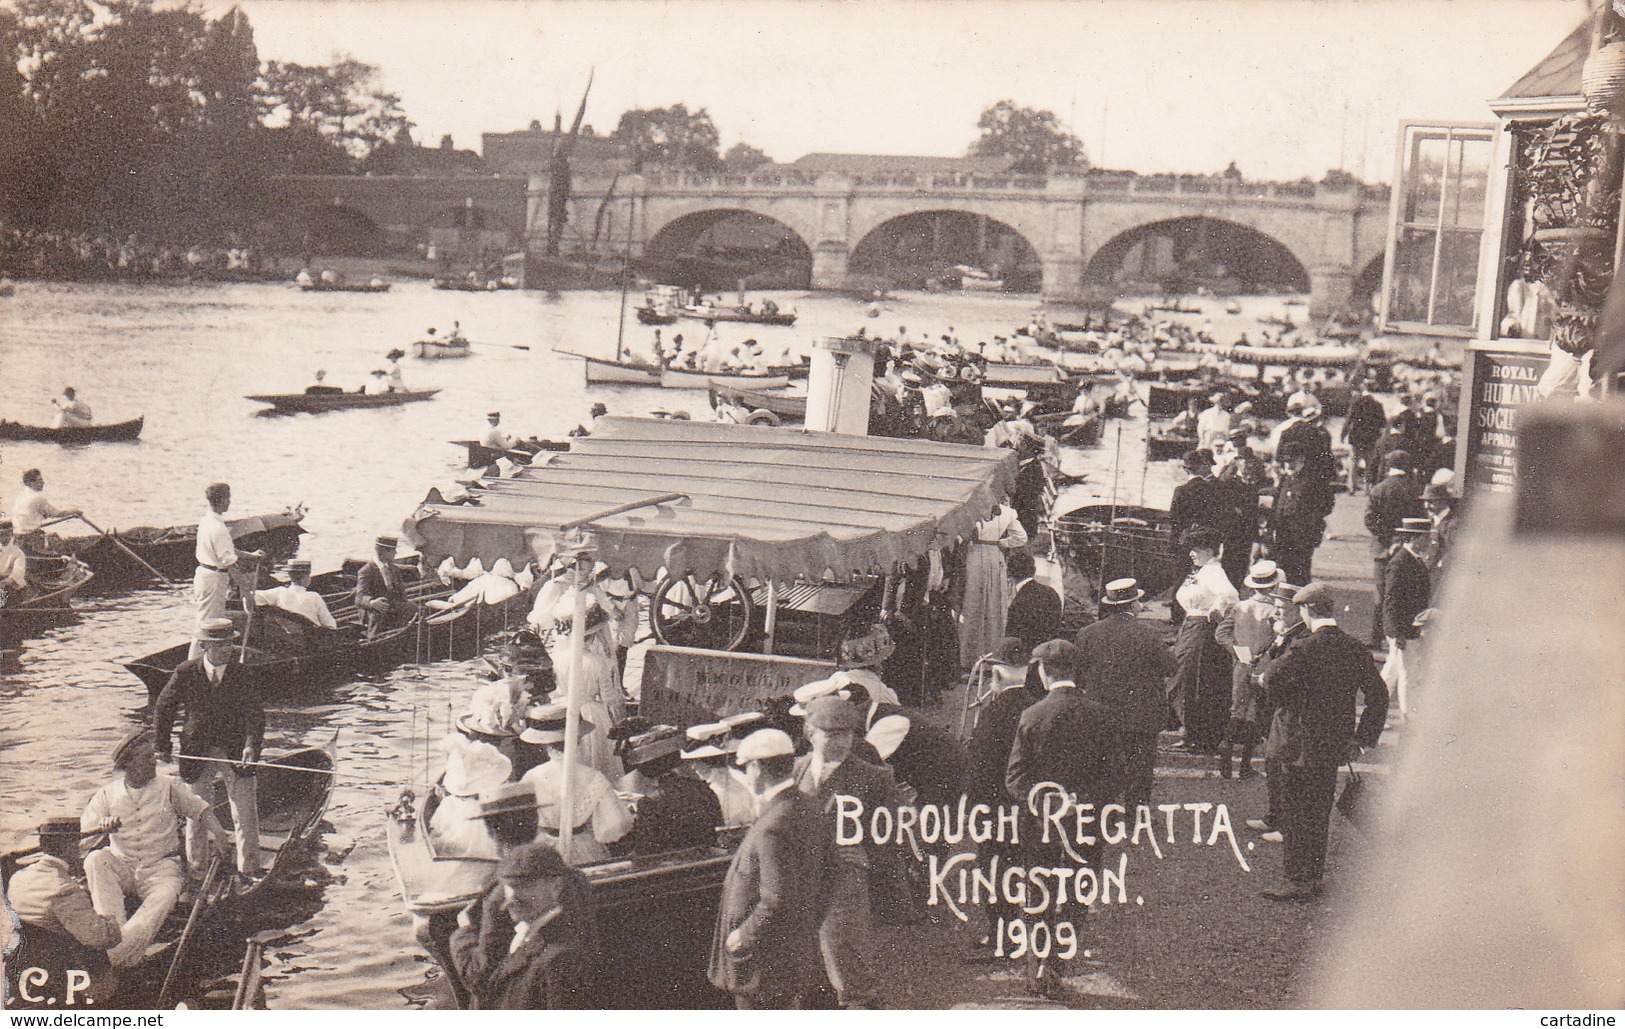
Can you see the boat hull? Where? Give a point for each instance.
(428, 350)
(331, 287)
(173, 551)
(678, 378)
(1103, 542)
(317, 403)
(599, 370)
(787, 407)
(724, 314)
(113, 432)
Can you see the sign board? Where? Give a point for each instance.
(683, 686)
(1501, 384)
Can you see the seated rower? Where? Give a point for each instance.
(70, 410)
(61, 930)
(320, 387)
(599, 816)
(674, 809)
(13, 567)
(298, 598)
(142, 812)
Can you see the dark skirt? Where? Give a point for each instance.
(1202, 684)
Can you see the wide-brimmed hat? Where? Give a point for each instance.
(1264, 575)
(395, 354)
(1122, 591)
(491, 712)
(472, 767)
(1416, 526)
(217, 630)
(545, 723)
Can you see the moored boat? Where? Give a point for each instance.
(318, 286)
(999, 373)
(600, 370)
(315, 403)
(441, 348)
(293, 789)
(112, 432)
(976, 280)
(738, 313)
(684, 378)
(52, 584)
(172, 550)
(1103, 542)
(787, 407)
(522, 452)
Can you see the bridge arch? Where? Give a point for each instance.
(717, 247)
(1198, 250)
(913, 249)
(330, 229)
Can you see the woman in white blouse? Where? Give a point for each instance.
(1201, 691)
(987, 584)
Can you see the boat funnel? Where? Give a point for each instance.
(838, 384)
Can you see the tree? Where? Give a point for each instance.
(335, 101)
(1034, 139)
(670, 136)
(1234, 173)
(742, 158)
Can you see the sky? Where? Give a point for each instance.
(1285, 88)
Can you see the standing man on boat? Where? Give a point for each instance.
(225, 722)
(70, 410)
(379, 590)
(33, 509)
(218, 563)
(141, 812)
(765, 951)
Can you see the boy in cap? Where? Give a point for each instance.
(1315, 684)
(766, 948)
(60, 925)
(141, 811)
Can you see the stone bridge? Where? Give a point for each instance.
(1335, 234)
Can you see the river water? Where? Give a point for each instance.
(185, 357)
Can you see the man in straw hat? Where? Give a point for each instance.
(1248, 629)
(1407, 591)
(225, 722)
(833, 725)
(1127, 666)
(141, 811)
(296, 597)
(379, 589)
(1314, 685)
(599, 816)
(62, 932)
(766, 948)
(1289, 629)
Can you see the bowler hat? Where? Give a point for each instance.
(833, 714)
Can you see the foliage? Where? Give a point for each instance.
(670, 136)
(335, 101)
(742, 158)
(1034, 139)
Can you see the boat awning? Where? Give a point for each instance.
(761, 502)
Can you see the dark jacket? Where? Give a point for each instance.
(1201, 501)
(1406, 592)
(874, 785)
(1302, 502)
(1313, 686)
(228, 716)
(554, 968)
(1365, 422)
(1393, 500)
(370, 585)
(990, 744)
(1064, 738)
(685, 813)
(1125, 666)
(1034, 614)
(774, 895)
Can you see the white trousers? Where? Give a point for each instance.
(209, 591)
(111, 879)
(242, 792)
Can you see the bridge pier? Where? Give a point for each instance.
(1330, 287)
(829, 265)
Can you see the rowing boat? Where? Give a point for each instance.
(292, 800)
(629, 372)
(522, 452)
(682, 378)
(344, 287)
(316, 403)
(112, 432)
(707, 313)
(1104, 542)
(433, 348)
(52, 584)
(1004, 374)
(787, 407)
(172, 550)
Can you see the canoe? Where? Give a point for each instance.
(787, 407)
(431, 348)
(656, 913)
(523, 452)
(1104, 542)
(736, 314)
(112, 432)
(344, 287)
(173, 550)
(57, 579)
(292, 801)
(682, 378)
(1003, 374)
(315, 403)
(287, 654)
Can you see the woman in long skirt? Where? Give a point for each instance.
(1202, 683)
(602, 701)
(987, 584)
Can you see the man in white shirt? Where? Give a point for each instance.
(1213, 425)
(298, 598)
(141, 812)
(33, 510)
(70, 410)
(13, 566)
(217, 563)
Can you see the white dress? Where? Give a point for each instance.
(600, 816)
(987, 585)
(602, 702)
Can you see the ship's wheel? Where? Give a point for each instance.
(710, 614)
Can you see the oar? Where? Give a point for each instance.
(120, 544)
(209, 876)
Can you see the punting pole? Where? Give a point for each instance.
(209, 876)
(572, 708)
(770, 626)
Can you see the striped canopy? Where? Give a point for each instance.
(760, 502)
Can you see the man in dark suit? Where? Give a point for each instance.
(766, 948)
(1362, 430)
(1310, 433)
(1034, 614)
(1200, 501)
(225, 723)
(830, 770)
(1297, 521)
(1314, 685)
(984, 784)
(1126, 666)
(379, 590)
(1407, 591)
(1397, 497)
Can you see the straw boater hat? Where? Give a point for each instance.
(1264, 575)
(835, 685)
(216, 630)
(507, 798)
(545, 723)
(491, 712)
(765, 743)
(61, 826)
(1122, 591)
(646, 748)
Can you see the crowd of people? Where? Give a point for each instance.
(65, 255)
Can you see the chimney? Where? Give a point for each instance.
(838, 385)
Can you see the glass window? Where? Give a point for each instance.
(1433, 265)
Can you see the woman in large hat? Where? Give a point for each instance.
(602, 701)
(599, 817)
